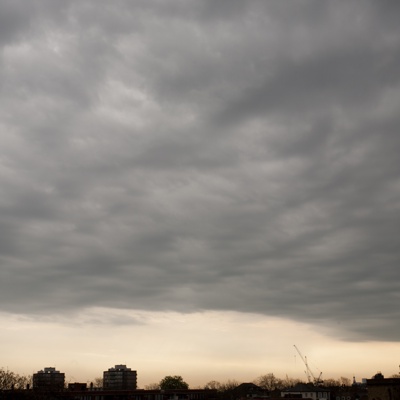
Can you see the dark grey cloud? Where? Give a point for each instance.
(202, 155)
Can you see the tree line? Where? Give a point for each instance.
(11, 380)
(267, 382)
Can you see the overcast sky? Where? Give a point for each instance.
(199, 166)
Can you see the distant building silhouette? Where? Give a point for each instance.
(249, 390)
(77, 386)
(48, 379)
(119, 378)
(307, 391)
(381, 388)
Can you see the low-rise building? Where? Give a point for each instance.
(249, 390)
(307, 391)
(77, 386)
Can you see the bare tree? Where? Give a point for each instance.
(213, 385)
(329, 382)
(345, 381)
(97, 382)
(269, 382)
(11, 380)
(152, 386)
(290, 382)
(229, 385)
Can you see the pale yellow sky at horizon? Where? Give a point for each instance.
(200, 346)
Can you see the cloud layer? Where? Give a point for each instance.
(202, 155)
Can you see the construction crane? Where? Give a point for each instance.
(308, 371)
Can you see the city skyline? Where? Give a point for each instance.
(50, 375)
(193, 187)
(213, 359)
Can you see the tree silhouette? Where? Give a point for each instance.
(173, 382)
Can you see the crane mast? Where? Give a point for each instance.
(308, 371)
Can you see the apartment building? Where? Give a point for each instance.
(119, 378)
(48, 379)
